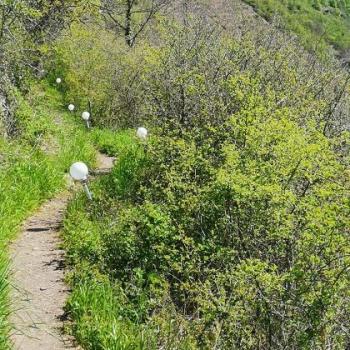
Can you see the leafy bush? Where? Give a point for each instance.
(195, 77)
(106, 76)
(248, 242)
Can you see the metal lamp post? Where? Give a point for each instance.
(80, 172)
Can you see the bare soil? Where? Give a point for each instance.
(38, 270)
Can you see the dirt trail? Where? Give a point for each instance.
(39, 292)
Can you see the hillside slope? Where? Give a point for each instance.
(228, 226)
(318, 23)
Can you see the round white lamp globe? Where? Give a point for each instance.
(58, 80)
(79, 171)
(142, 133)
(71, 107)
(86, 116)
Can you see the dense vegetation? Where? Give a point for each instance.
(318, 23)
(228, 228)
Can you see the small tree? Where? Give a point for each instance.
(131, 16)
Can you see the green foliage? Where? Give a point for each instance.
(26, 30)
(244, 241)
(100, 73)
(130, 165)
(188, 79)
(112, 143)
(4, 306)
(98, 310)
(228, 228)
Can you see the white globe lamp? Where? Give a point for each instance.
(80, 172)
(58, 80)
(71, 107)
(86, 117)
(142, 133)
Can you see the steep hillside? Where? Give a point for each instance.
(318, 23)
(227, 226)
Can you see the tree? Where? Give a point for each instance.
(25, 25)
(51, 17)
(131, 16)
(11, 12)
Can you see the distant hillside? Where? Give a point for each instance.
(319, 23)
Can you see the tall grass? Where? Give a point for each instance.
(97, 309)
(113, 143)
(4, 307)
(317, 25)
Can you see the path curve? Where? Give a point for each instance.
(39, 292)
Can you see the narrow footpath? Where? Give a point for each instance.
(38, 269)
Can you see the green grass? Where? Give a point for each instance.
(98, 311)
(32, 168)
(4, 304)
(113, 143)
(318, 23)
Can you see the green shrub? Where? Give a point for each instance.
(190, 76)
(107, 76)
(237, 240)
